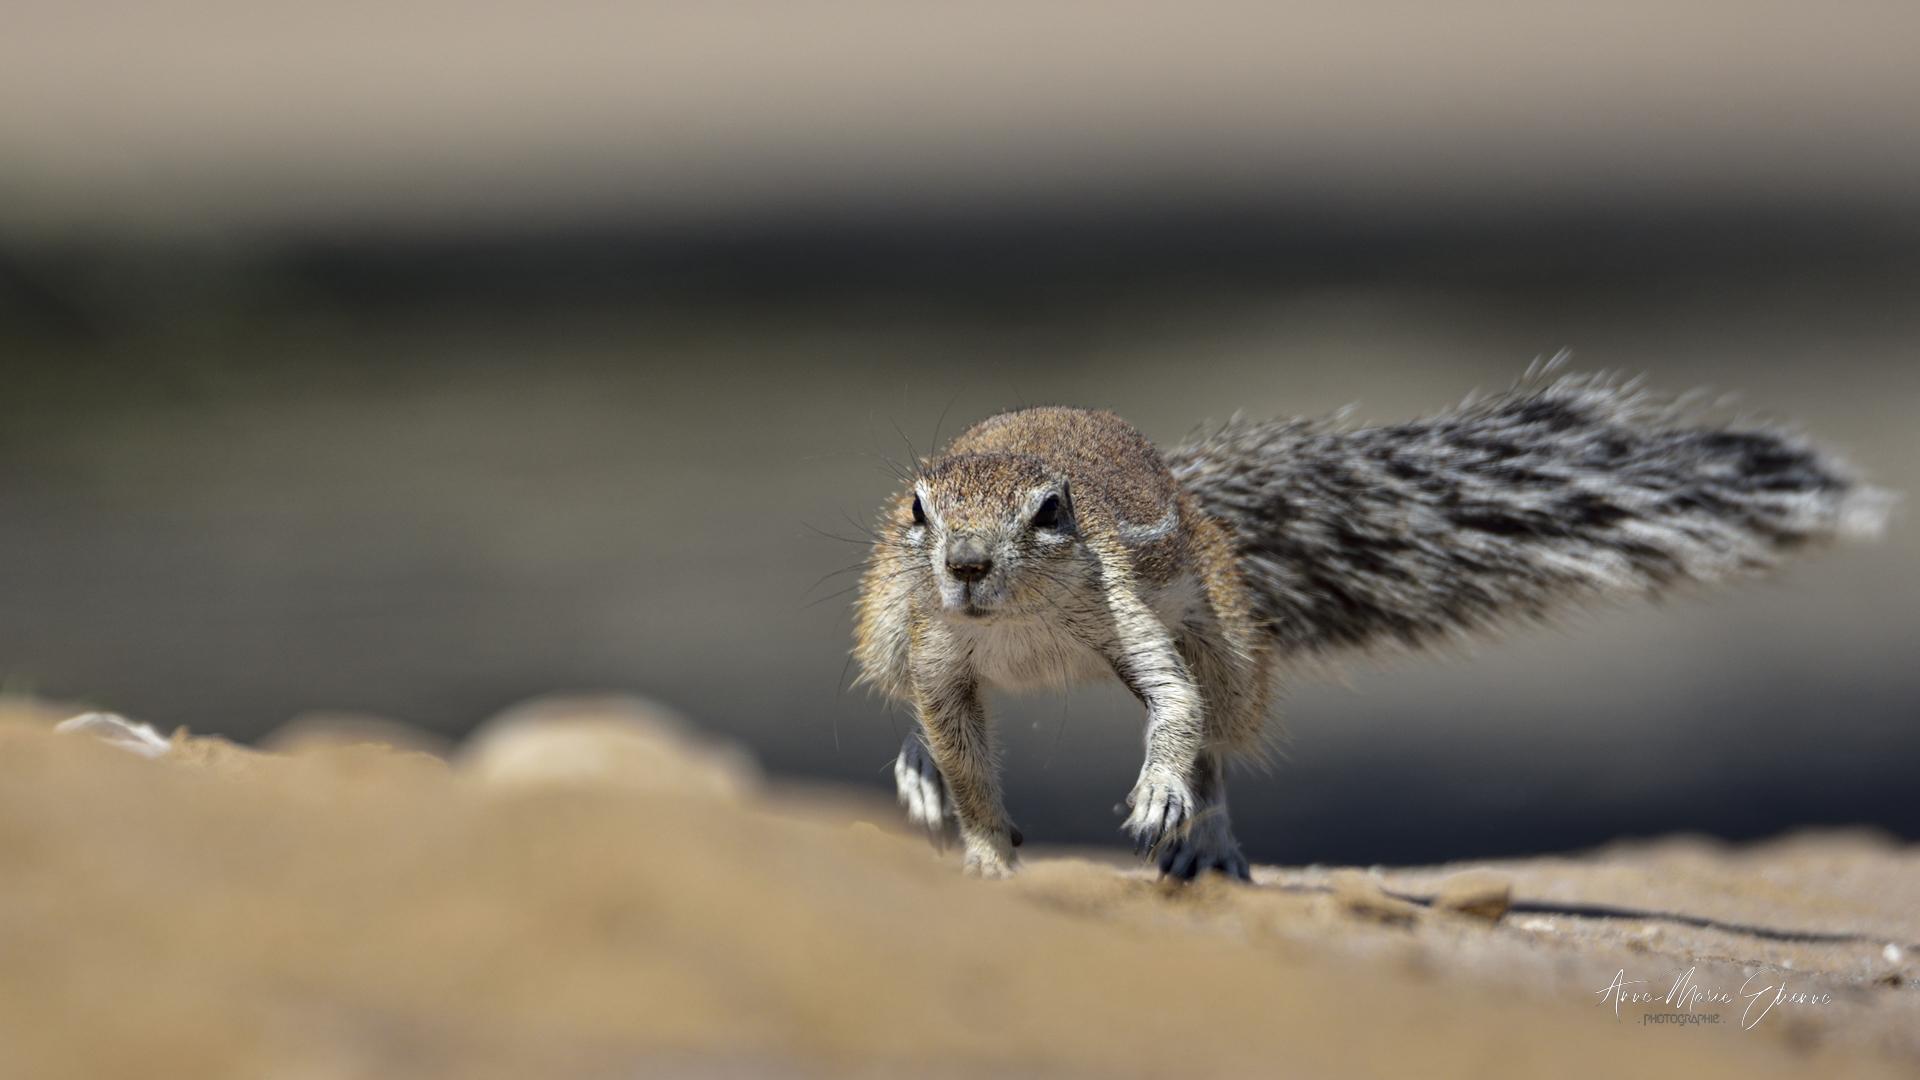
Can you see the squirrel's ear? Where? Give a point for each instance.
(1066, 499)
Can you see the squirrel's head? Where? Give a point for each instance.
(994, 534)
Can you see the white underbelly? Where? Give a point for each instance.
(1031, 655)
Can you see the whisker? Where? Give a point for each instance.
(817, 531)
(941, 422)
(829, 575)
(912, 451)
(832, 596)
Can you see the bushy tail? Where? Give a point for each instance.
(1509, 506)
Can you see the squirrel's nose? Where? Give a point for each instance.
(967, 559)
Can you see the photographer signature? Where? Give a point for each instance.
(1687, 994)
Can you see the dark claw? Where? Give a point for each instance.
(914, 753)
(1182, 860)
(1179, 861)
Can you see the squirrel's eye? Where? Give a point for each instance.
(919, 515)
(1048, 516)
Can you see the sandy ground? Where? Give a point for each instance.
(583, 891)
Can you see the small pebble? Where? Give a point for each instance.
(609, 740)
(1477, 893)
(1357, 894)
(116, 730)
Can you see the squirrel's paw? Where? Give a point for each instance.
(992, 856)
(1203, 846)
(922, 790)
(1162, 806)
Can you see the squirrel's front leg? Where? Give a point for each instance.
(1143, 655)
(954, 724)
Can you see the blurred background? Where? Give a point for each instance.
(415, 359)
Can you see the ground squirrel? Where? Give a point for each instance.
(1053, 545)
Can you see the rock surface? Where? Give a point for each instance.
(353, 910)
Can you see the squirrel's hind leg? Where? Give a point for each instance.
(1207, 842)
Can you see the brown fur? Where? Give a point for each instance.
(1138, 584)
(1295, 539)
